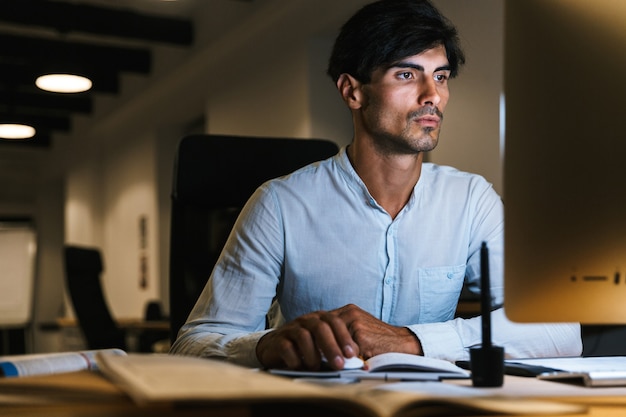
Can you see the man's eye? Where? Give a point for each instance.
(441, 78)
(406, 75)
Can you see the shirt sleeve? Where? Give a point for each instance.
(238, 348)
(229, 317)
(452, 340)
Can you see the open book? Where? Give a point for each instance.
(52, 363)
(186, 381)
(390, 366)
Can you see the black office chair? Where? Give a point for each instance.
(214, 175)
(83, 267)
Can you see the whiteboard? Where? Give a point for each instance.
(17, 274)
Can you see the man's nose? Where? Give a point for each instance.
(428, 93)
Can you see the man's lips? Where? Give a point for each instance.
(432, 121)
(427, 117)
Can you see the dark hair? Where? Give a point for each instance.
(383, 32)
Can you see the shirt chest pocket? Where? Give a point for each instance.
(439, 292)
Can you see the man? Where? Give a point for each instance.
(367, 252)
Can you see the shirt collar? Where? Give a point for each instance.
(354, 180)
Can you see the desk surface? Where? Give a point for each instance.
(88, 394)
(124, 323)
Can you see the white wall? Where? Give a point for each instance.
(50, 280)
(129, 193)
(275, 82)
(330, 117)
(270, 101)
(263, 75)
(470, 137)
(83, 203)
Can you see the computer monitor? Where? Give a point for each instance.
(565, 161)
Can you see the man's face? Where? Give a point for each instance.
(403, 105)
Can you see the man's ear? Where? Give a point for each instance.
(351, 91)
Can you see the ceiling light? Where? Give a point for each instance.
(63, 83)
(16, 131)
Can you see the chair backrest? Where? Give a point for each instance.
(83, 267)
(214, 175)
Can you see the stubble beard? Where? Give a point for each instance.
(408, 141)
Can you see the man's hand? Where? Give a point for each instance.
(374, 336)
(346, 331)
(300, 343)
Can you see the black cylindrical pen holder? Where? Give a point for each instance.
(487, 366)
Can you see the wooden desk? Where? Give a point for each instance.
(603, 402)
(88, 394)
(123, 323)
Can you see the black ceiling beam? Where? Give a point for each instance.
(71, 17)
(23, 58)
(26, 50)
(22, 77)
(38, 121)
(45, 101)
(40, 139)
(78, 103)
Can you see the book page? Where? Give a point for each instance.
(158, 377)
(386, 367)
(394, 361)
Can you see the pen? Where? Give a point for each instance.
(485, 295)
(487, 361)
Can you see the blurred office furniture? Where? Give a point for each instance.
(214, 175)
(18, 246)
(83, 267)
(151, 337)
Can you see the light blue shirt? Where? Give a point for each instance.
(317, 240)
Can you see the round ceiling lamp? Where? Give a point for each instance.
(63, 83)
(16, 131)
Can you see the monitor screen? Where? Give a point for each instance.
(565, 161)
